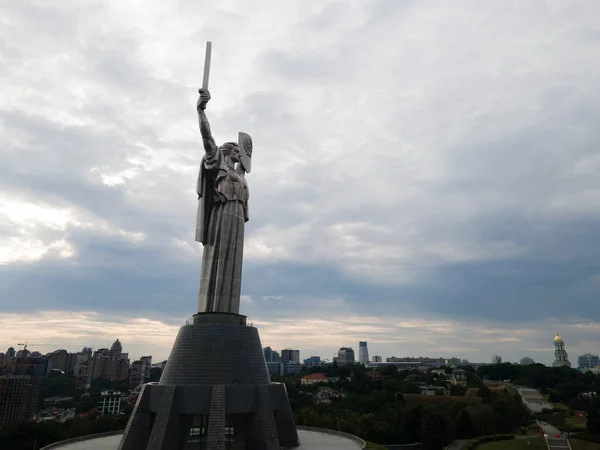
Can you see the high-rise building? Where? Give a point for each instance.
(82, 368)
(19, 390)
(588, 361)
(497, 359)
(363, 352)
(23, 353)
(146, 366)
(110, 364)
(526, 361)
(71, 363)
(345, 355)
(116, 349)
(34, 367)
(377, 358)
(59, 360)
(560, 354)
(139, 371)
(18, 398)
(135, 374)
(268, 351)
(289, 355)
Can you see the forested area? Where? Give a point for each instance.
(385, 409)
(385, 412)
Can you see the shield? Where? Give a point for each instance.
(245, 144)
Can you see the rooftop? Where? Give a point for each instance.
(315, 376)
(310, 440)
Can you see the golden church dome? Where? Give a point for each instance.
(558, 338)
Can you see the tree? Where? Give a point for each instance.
(463, 426)
(484, 392)
(410, 427)
(434, 430)
(458, 390)
(409, 387)
(593, 419)
(483, 419)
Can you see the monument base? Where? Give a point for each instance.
(214, 394)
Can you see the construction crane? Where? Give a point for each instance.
(26, 343)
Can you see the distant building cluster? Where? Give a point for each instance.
(21, 372)
(286, 363)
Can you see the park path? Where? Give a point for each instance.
(554, 437)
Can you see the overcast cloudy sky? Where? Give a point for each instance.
(425, 173)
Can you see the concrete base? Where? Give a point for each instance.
(215, 394)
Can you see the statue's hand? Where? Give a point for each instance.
(203, 99)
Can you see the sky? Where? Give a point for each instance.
(424, 173)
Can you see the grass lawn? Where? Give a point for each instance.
(576, 444)
(575, 420)
(537, 443)
(373, 446)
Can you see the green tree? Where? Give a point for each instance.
(434, 430)
(409, 387)
(410, 427)
(484, 392)
(463, 426)
(593, 419)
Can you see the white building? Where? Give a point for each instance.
(432, 390)
(377, 358)
(560, 354)
(526, 361)
(111, 403)
(588, 361)
(497, 359)
(363, 353)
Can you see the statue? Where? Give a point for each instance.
(222, 212)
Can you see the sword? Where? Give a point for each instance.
(207, 64)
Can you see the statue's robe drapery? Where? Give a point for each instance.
(222, 213)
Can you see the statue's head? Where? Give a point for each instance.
(232, 150)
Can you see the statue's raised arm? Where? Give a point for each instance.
(209, 143)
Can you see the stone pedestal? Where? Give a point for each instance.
(214, 394)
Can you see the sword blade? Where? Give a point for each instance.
(207, 65)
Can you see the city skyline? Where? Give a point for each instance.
(304, 353)
(434, 196)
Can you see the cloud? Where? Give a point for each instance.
(412, 160)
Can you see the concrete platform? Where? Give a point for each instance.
(310, 440)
